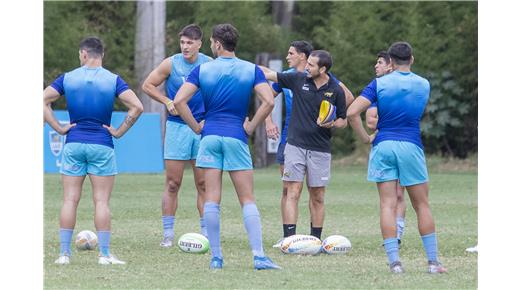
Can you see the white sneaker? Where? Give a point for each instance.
(472, 249)
(107, 260)
(63, 260)
(167, 243)
(279, 243)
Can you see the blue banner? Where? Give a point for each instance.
(140, 150)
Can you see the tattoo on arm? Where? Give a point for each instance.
(129, 121)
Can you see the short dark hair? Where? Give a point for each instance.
(302, 46)
(400, 52)
(93, 45)
(324, 59)
(384, 55)
(191, 31)
(227, 35)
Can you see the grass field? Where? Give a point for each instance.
(352, 206)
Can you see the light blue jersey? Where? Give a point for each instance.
(226, 85)
(401, 99)
(90, 95)
(181, 68)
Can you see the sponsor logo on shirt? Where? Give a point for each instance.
(305, 87)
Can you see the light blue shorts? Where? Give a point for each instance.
(390, 160)
(180, 142)
(78, 159)
(224, 153)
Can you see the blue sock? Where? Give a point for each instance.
(168, 221)
(104, 242)
(212, 219)
(400, 227)
(65, 240)
(430, 246)
(392, 250)
(254, 228)
(203, 230)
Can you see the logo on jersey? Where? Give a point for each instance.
(305, 87)
(328, 94)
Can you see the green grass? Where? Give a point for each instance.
(352, 206)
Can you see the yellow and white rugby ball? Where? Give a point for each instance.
(327, 112)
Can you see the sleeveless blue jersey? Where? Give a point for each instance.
(401, 99)
(181, 68)
(226, 85)
(90, 95)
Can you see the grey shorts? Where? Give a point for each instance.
(299, 161)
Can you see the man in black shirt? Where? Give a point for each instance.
(308, 143)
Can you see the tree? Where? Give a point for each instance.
(149, 49)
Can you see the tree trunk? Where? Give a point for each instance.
(283, 13)
(149, 49)
(260, 143)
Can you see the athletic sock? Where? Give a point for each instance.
(430, 246)
(203, 230)
(104, 242)
(253, 227)
(212, 220)
(65, 240)
(289, 230)
(400, 227)
(168, 222)
(316, 232)
(392, 250)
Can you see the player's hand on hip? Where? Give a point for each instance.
(171, 108)
(112, 131)
(272, 131)
(201, 125)
(371, 137)
(247, 127)
(65, 128)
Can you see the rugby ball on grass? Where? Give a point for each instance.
(86, 240)
(193, 243)
(336, 245)
(301, 245)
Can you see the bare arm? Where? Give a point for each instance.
(269, 73)
(135, 108)
(180, 102)
(349, 97)
(264, 92)
(371, 118)
(154, 80)
(271, 129)
(354, 111)
(50, 95)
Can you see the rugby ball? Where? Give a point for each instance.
(193, 243)
(336, 245)
(327, 112)
(301, 245)
(86, 240)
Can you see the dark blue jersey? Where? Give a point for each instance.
(90, 95)
(226, 85)
(401, 99)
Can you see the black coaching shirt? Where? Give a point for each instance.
(303, 130)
